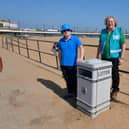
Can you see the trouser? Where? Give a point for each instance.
(115, 73)
(69, 74)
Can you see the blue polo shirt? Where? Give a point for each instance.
(69, 50)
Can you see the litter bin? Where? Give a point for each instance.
(93, 86)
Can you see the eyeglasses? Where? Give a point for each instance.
(66, 30)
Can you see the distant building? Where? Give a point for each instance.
(4, 24)
(52, 30)
(13, 25)
(8, 24)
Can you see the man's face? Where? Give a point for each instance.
(110, 23)
(67, 33)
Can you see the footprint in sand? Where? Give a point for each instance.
(16, 98)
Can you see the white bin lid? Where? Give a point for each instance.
(95, 63)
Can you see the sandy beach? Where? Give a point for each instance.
(31, 96)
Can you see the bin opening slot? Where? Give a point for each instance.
(85, 73)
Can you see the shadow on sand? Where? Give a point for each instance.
(121, 102)
(61, 92)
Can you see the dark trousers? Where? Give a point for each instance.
(69, 74)
(115, 74)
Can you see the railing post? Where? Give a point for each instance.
(40, 60)
(2, 42)
(6, 41)
(12, 44)
(27, 49)
(19, 52)
(57, 62)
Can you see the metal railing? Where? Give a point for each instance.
(15, 42)
(15, 45)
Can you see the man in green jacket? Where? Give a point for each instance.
(112, 48)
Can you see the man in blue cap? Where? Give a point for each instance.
(70, 52)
